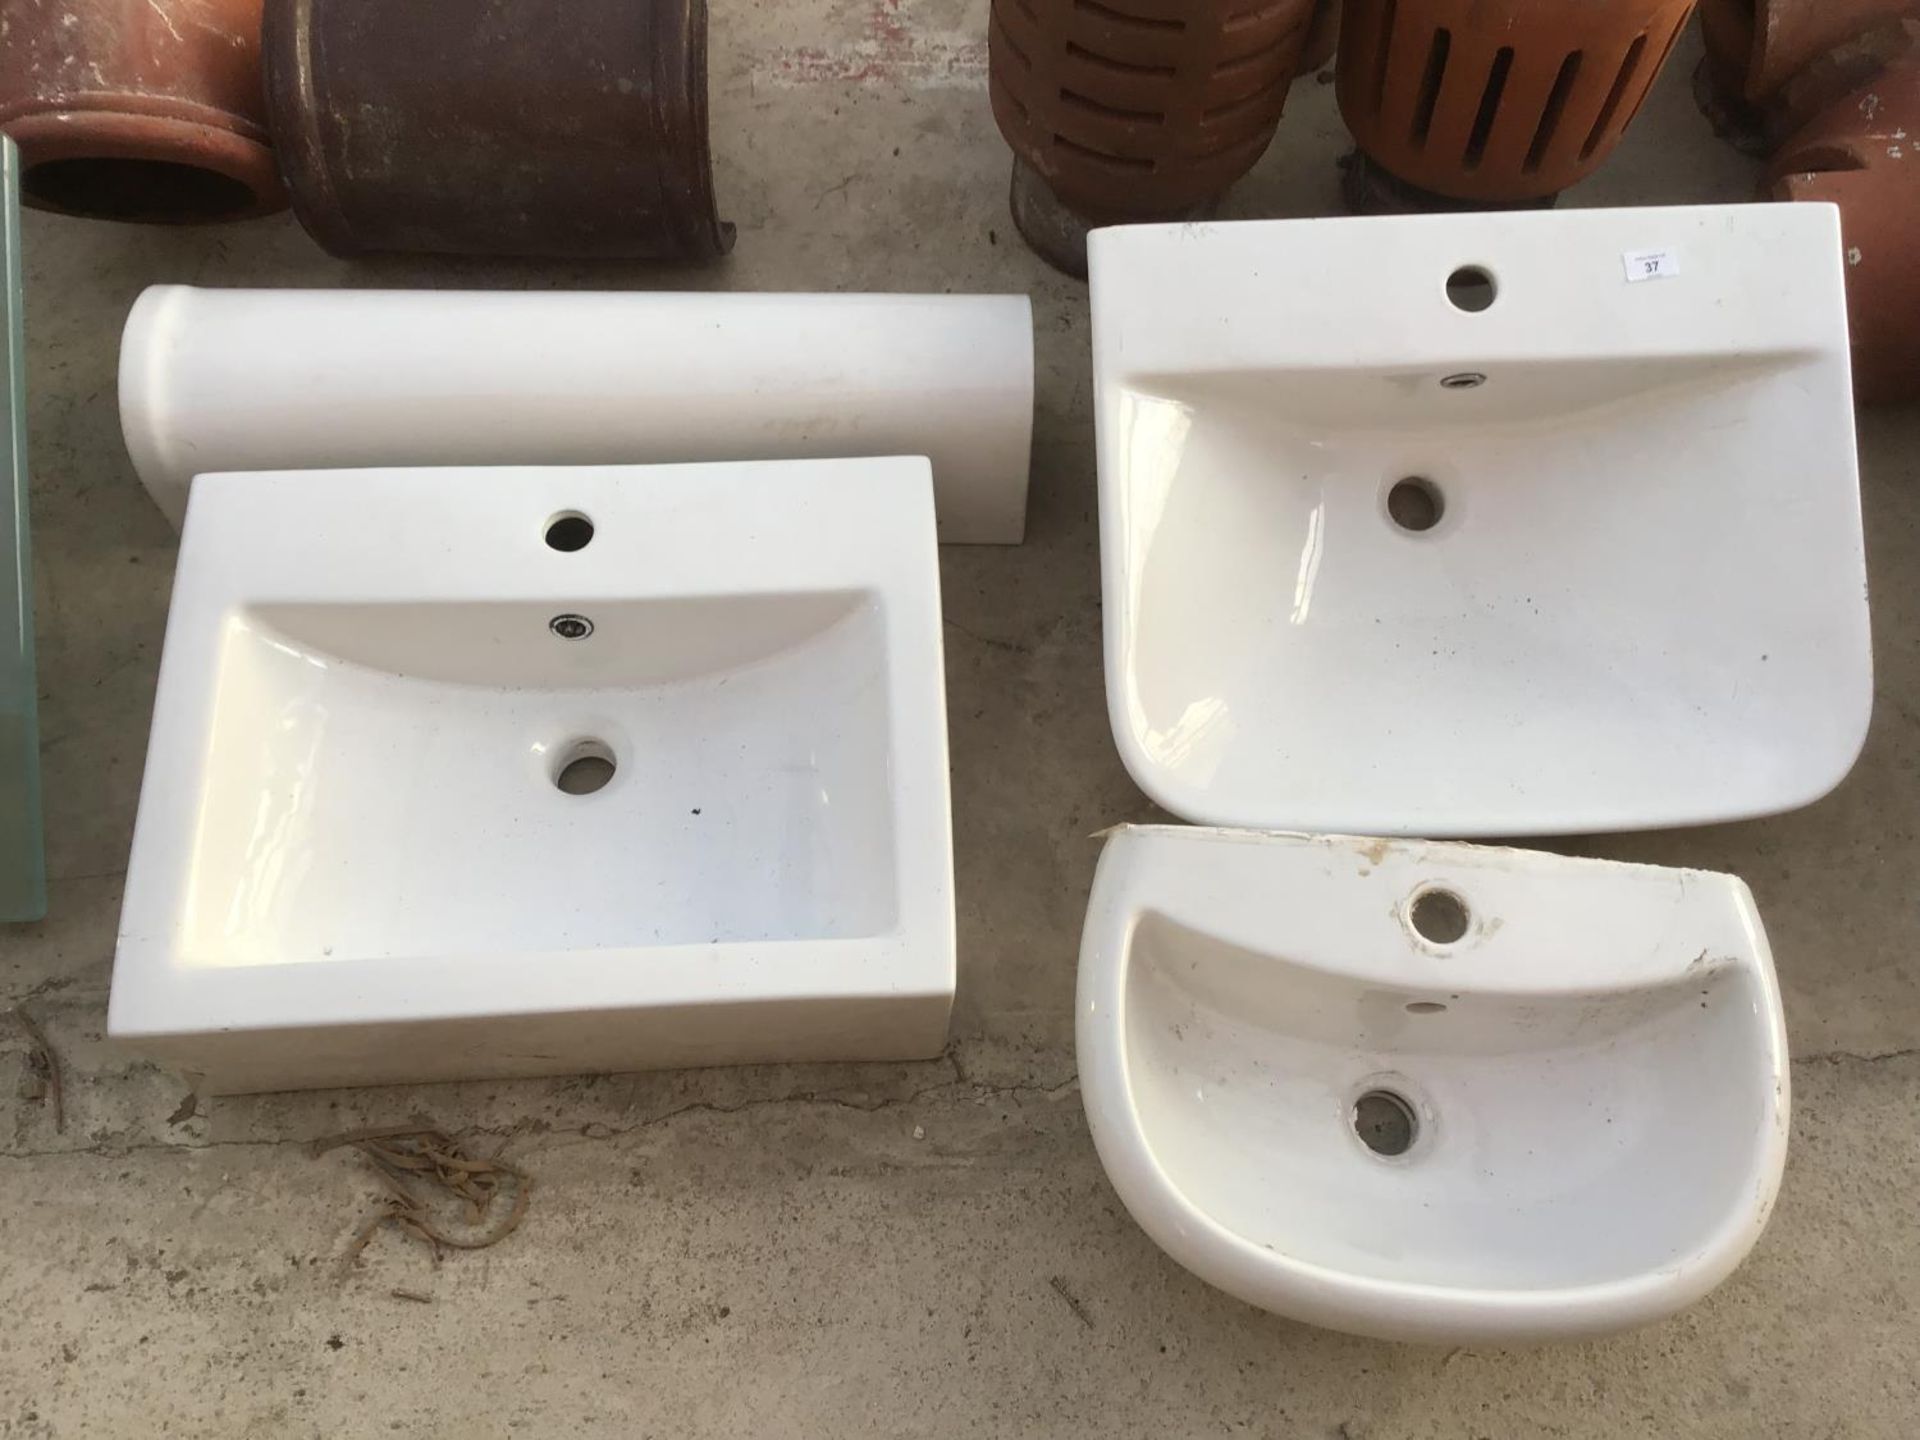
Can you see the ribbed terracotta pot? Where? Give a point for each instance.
(1498, 101)
(138, 109)
(1323, 37)
(1859, 153)
(569, 128)
(1131, 110)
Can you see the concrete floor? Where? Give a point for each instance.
(921, 1249)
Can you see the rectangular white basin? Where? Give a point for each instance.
(1587, 557)
(428, 797)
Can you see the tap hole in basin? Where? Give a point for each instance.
(569, 531)
(585, 766)
(1415, 504)
(1385, 1123)
(1471, 288)
(1439, 917)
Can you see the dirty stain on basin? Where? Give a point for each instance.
(1561, 1124)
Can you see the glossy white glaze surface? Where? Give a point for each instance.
(1644, 599)
(261, 380)
(352, 821)
(1596, 1070)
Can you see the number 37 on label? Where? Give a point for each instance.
(1650, 265)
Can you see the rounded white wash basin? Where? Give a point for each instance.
(457, 774)
(1432, 1092)
(1515, 524)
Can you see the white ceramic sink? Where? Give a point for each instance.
(1640, 599)
(368, 848)
(1569, 1117)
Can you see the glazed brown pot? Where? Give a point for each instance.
(1500, 101)
(1859, 153)
(138, 109)
(1134, 109)
(570, 129)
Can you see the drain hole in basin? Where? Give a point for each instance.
(1471, 289)
(569, 531)
(1385, 1122)
(1439, 916)
(587, 767)
(1415, 504)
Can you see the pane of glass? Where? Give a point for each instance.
(23, 876)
